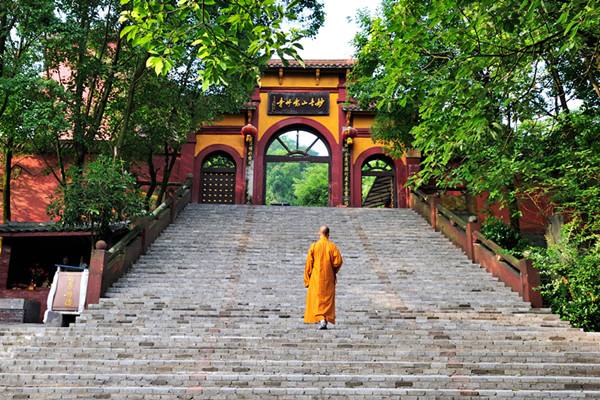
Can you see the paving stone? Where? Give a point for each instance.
(214, 311)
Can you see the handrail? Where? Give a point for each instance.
(106, 266)
(159, 210)
(420, 194)
(125, 241)
(499, 251)
(475, 245)
(452, 217)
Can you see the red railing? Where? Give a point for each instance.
(107, 266)
(518, 274)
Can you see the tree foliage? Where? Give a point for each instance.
(312, 189)
(28, 109)
(500, 98)
(100, 194)
(571, 276)
(486, 90)
(297, 184)
(74, 74)
(230, 38)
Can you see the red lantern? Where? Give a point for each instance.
(349, 133)
(249, 130)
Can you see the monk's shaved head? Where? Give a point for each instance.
(324, 230)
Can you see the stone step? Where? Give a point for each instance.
(300, 367)
(207, 380)
(151, 393)
(214, 311)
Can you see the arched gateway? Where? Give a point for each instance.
(305, 151)
(297, 115)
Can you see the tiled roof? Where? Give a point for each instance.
(325, 64)
(22, 227)
(34, 227)
(356, 108)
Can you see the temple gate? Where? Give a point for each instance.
(229, 158)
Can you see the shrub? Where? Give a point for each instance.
(96, 196)
(503, 235)
(313, 188)
(570, 272)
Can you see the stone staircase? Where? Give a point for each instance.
(214, 311)
(379, 193)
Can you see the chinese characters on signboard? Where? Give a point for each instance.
(302, 103)
(67, 291)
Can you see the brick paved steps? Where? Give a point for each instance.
(281, 380)
(151, 366)
(227, 393)
(213, 311)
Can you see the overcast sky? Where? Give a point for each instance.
(333, 40)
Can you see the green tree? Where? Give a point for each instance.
(280, 181)
(482, 88)
(312, 189)
(166, 109)
(570, 275)
(100, 194)
(501, 97)
(27, 104)
(232, 39)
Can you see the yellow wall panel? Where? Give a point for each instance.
(300, 79)
(362, 121)
(329, 121)
(235, 141)
(360, 145)
(230, 120)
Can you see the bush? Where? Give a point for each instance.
(570, 272)
(100, 194)
(313, 188)
(504, 235)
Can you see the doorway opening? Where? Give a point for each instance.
(378, 182)
(297, 169)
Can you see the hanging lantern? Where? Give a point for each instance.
(249, 132)
(348, 134)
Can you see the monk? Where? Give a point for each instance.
(323, 262)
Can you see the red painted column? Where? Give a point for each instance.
(433, 202)
(472, 227)
(400, 184)
(187, 162)
(412, 165)
(530, 279)
(97, 264)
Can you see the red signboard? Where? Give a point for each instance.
(68, 286)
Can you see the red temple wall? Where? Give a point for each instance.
(33, 185)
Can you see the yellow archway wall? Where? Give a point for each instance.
(234, 141)
(331, 121)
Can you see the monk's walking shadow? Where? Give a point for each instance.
(323, 262)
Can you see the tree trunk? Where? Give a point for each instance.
(137, 74)
(170, 158)
(153, 181)
(8, 155)
(78, 126)
(558, 85)
(60, 161)
(100, 108)
(513, 208)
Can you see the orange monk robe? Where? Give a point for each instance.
(322, 263)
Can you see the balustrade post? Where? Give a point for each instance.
(530, 279)
(472, 227)
(96, 270)
(173, 209)
(433, 201)
(144, 224)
